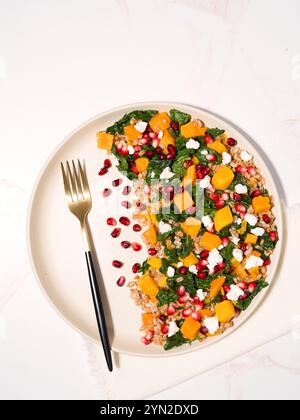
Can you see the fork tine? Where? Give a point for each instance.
(85, 184)
(78, 181)
(66, 183)
(74, 191)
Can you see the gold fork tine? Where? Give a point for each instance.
(74, 192)
(77, 180)
(66, 183)
(85, 184)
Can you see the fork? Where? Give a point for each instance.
(80, 203)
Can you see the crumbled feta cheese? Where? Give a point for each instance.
(220, 247)
(180, 264)
(193, 269)
(207, 222)
(235, 240)
(152, 174)
(170, 271)
(238, 254)
(245, 156)
(251, 219)
(166, 173)
(205, 182)
(192, 144)
(201, 294)
(160, 134)
(226, 158)
(212, 324)
(130, 150)
(235, 293)
(238, 221)
(253, 261)
(241, 189)
(164, 227)
(213, 259)
(173, 329)
(140, 126)
(204, 152)
(258, 231)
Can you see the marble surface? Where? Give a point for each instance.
(62, 62)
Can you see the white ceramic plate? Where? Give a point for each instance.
(55, 243)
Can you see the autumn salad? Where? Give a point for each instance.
(206, 220)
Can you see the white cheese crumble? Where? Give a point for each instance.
(160, 134)
(193, 269)
(180, 264)
(238, 221)
(226, 158)
(253, 261)
(205, 182)
(130, 150)
(241, 189)
(213, 259)
(245, 156)
(251, 219)
(204, 152)
(235, 293)
(173, 329)
(258, 231)
(192, 144)
(170, 271)
(140, 126)
(238, 254)
(201, 294)
(235, 240)
(212, 324)
(166, 173)
(220, 247)
(164, 227)
(152, 174)
(207, 222)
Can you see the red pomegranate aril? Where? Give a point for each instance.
(251, 170)
(102, 171)
(126, 204)
(208, 139)
(152, 251)
(220, 204)
(174, 125)
(187, 163)
(203, 330)
(223, 298)
(273, 235)
(117, 182)
(126, 190)
(111, 221)
(171, 156)
(107, 163)
(182, 299)
(106, 192)
(149, 153)
(244, 297)
(199, 306)
(145, 341)
(171, 310)
(225, 241)
(240, 208)
(171, 148)
(119, 147)
(137, 148)
(165, 329)
(121, 281)
(267, 261)
(186, 312)
(252, 287)
(211, 229)
(204, 254)
(211, 158)
(124, 221)
(214, 196)
(196, 299)
(202, 264)
(182, 270)
(136, 267)
(222, 265)
(136, 246)
(237, 197)
(162, 317)
(144, 141)
(136, 227)
(133, 168)
(181, 291)
(191, 210)
(244, 247)
(149, 335)
(116, 232)
(158, 150)
(125, 244)
(136, 155)
(196, 316)
(155, 143)
(162, 157)
(226, 288)
(266, 218)
(225, 196)
(255, 193)
(239, 169)
(152, 135)
(124, 151)
(117, 263)
(199, 175)
(202, 275)
(242, 285)
(231, 142)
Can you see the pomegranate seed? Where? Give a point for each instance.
(208, 139)
(211, 229)
(136, 155)
(211, 158)
(202, 275)
(237, 312)
(181, 291)
(152, 251)
(136, 267)
(199, 175)
(174, 125)
(242, 285)
(204, 254)
(124, 151)
(125, 244)
(244, 247)
(149, 335)
(124, 221)
(111, 221)
(182, 270)
(137, 148)
(162, 317)
(171, 149)
(126, 204)
(220, 204)
(117, 182)
(199, 306)
(119, 147)
(158, 150)
(171, 156)
(244, 297)
(202, 264)
(106, 192)
(267, 261)
(145, 341)
(187, 163)
(231, 142)
(240, 208)
(126, 190)
(223, 298)
(225, 196)
(162, 157)
(186, 312)
(221, 265)
(226, 288)
(149, 153)
(182, 299)
(251, 287)
(255, 193)
(116, 232)
(121, 281)
(136, 246)
(266, 218)
(107, 163)
(171, 310)
(196, 316)
(231, 269)
(136, 227)
(191, 210)
(239, 169)
(155, 143)
(273, 235)
(117, 264)
(251, 170)
(196, 299)
(165, 329)
(237, 197)
(225, 241)
(203, 330)
(144, 141)
(214, 196)
(152, 135)
(102, 171)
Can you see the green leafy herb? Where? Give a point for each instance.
(180, 143)
(179, 116)
(203, 284)
(178, 164)
(238, 179)
(165, 297)
(155, 168)
(175, 340)
(186, 246)
(118, 127)
(166, 235)
(187, 281)
(267, 241)
(144, 267)
(226, 252)
(214, 132)
(260, 285)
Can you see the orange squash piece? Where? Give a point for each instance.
(141, 164)
(190, 328)
(222, 178)
(210, 241)
(223, 218)
(147, 319)
(225, 311)
(250, 238)
(190, 176)
(104, 140)
(239, 269)
(206, 313)
(192, 129)
(217, 146)
(191, 226)
(166, 140)
(150, 235)
(261, 204)
(183, 201)
(195, 160)
(191, 259)
(131, 133)
(160, 122)
(155, 262)
(148, 285)
(216, 286)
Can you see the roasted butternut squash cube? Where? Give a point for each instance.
(250, 238)
(104, 140)
(190, 176)
(148, 285)
(254, 272)
(131, 133)
(256, 253)
(191, 226)
(162, 281)
(223, 218)
(190, 328)
(183, 201)
(217, 146)
(216, 286)
(222, 178)
(147, 319)
(206, 313)
(141, 164)
(160, 122)
(150, 235)
(261, 204)
(191, 259)
(166, 140)
(210, 241)
(155, 262)
(239, 269)
(243, 227)
(225, 311)
(192, 129)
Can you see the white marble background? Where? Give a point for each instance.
(63, 61)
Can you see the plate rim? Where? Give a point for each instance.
(124, 108)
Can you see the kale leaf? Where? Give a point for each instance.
(178, 164)
(175, 340)
(187, 281)
(165, 297)
(186, 246)
(179, 116)
(156, 166)
(214, 132)
(260, 285)
(118, 127)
